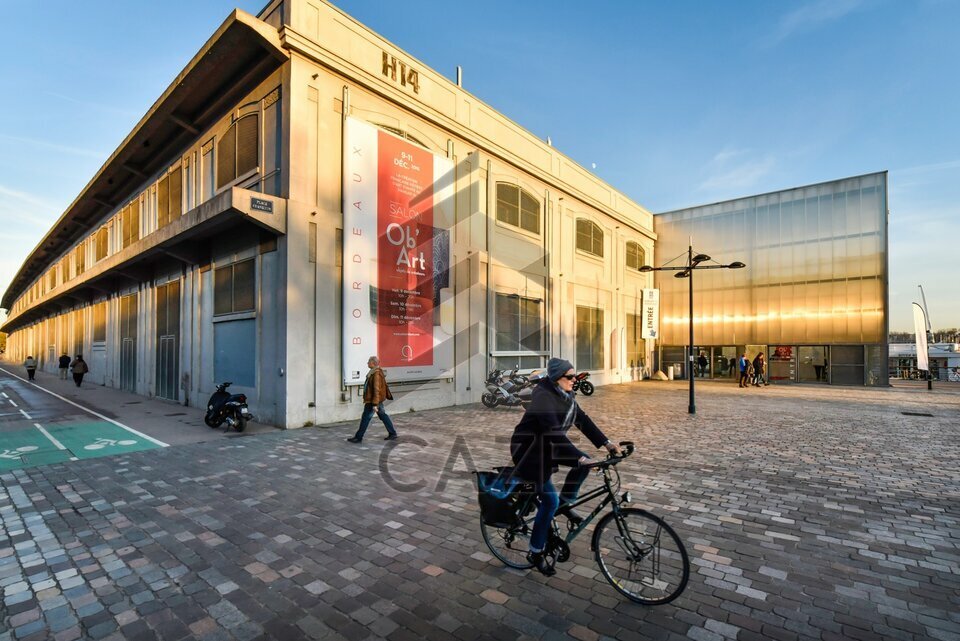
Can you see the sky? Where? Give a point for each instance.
(673, 103)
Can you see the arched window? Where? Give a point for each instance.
(636, 257)
(589, 237)
(402, 134)
(518, 207)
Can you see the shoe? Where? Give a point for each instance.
(567, 511)
(541, 563)
(390, 437)
(354, 439)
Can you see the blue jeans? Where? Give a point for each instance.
(550, 501)
(368, 410)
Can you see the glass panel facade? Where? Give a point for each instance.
(816, 269)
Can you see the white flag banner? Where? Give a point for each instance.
(651, 314)
(920, 327)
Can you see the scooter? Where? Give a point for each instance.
(508, 388)
(226, 407)
(581, 384)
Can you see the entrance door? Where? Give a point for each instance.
(812, 363)
(128, 343)
(168, 340)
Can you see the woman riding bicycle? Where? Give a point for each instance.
(540, 444)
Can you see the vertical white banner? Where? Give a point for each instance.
(651, 314)
(920, 327)
(359, 249)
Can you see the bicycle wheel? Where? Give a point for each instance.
(509, 544)
(641, 556)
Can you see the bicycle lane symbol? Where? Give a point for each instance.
(101, 443)
(17, 454)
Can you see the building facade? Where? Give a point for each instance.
(813, 297)
(305, 194)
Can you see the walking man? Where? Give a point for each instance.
(79, 367)
(744, 367)
(64, 364)
(375, 392)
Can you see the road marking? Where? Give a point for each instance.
(53, 440)
(12, 402)
(9, 414)
(25, 415)
(88, 410)
(4, 394)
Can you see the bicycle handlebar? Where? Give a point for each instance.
(612, 459)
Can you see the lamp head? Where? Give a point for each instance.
(684, 274)
(699, 258)
(646, 268)
(736, 265)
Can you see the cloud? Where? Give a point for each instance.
(736, 169)
(925, 169)
(76, 151)
(809, 17)
(94, 106)
(20, 206)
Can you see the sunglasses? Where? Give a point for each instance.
(569, 377)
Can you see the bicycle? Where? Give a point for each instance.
(637, 552)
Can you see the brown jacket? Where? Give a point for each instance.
(79, 367)
(375, 390)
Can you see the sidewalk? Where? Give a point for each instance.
(167, 421)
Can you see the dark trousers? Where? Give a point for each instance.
(368, 411)
(78, 378)
(743, 378)
(30, 373)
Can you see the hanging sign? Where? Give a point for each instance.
(651, 314)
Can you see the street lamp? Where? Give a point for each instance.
(686, 271)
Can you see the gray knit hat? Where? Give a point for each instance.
(557, 367)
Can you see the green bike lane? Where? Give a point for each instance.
(40, 427)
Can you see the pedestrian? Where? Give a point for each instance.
(64, 364)
(758, 370)
(744, 367)
(31, 366)
(702, 362)
(79, 368)
(733, 366)
(540, 444)
(375, 392)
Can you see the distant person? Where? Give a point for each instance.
(744, 369)
(31, 366)
(79, 368)
(733, 366)
(64, 366)
(759, 370)
(702, 363)
(375, 392)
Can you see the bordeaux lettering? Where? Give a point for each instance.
(356, 258)
(356, 340)
(357, 231)
(356, 284)
(356, 313)
(357, 205)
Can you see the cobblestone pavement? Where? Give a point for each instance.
(809, 513)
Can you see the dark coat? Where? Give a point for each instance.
(539, 443)
(64, 362)
(79, 366)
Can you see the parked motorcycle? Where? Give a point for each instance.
(508, 388)
(581, 384)
(224, 407)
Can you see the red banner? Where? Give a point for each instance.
(405, 253)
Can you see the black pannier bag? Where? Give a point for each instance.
(499, 493)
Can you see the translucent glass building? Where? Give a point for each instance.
(813, 297)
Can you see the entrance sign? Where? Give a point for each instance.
(920, 327)
(651, 314)
(398, 200)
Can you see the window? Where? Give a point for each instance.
(635, 351)
(589, 237)
(130, 223)
(169, 198)
(79, 258)
(234, 288)
(101, 243)
(518, 207)
(589, 338)
(206, 171)
(636, 257)
(189, 180)
(238, 150)
(52, 278)
(100, 322)
(519, 323)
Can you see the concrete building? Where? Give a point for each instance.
(943, 358)
(813, 298)
(305, 194)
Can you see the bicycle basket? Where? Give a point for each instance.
(498, 495)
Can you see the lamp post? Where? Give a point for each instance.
(686, 271)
